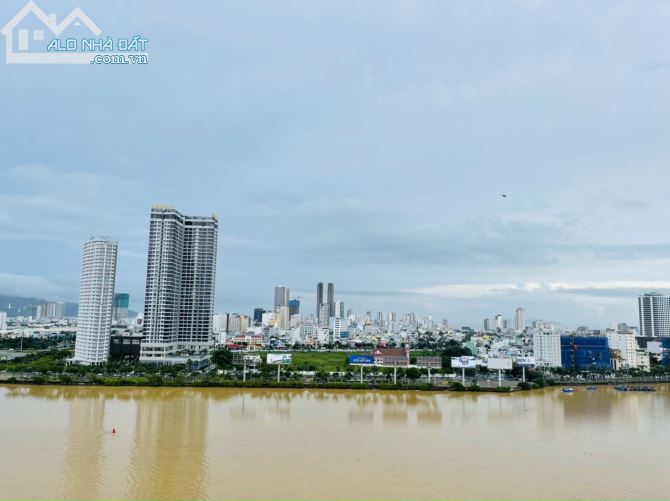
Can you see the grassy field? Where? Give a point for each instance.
(330, 361)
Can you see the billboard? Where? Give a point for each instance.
(429, 362)
(241, 357)
(503, 364)
(361, 360)
(463, 362)
(525, 361)
(394, 360)
(279, 358)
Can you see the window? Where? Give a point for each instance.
(38, 34)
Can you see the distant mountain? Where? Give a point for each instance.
(17, 306)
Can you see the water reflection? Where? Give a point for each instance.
(84, 459)
(180, 443)
(169, 455)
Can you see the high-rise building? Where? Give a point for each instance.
(55, 311)
(293, 307)
(654, 313)
(520, 319)
(40, 312)
(3, 320)
(96, 295)
(282, 317)
(181, 272)
(547, 348)
(339, 328)
(338, 311)
(319, 299)
(331, 299)
(585, 352)
(258, 315)
(624, 345)
(120, 307)
(281, 296)
(324, 317)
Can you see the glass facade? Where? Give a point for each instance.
(585, 352)
(665, 351)
(294, 307)
(121, 300)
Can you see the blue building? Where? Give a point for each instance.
(665, 351)
(294, 307)
(258, 315)
(585, 352)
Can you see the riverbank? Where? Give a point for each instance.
(153, 381)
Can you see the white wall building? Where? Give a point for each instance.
(337, 327)
(624, 342)
(547, 348)
(96, 295)
(282, 317)
(181, 272)
(3, 321)
(520, 319)
(654, 313)
(324, 315)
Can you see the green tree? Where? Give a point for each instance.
(453, 349)
(222, 358)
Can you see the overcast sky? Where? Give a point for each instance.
(363, 143)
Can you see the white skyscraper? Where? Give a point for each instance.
(95, 302)
(282, 317)
(520, 319)
(654, 313)
(3, 320)
(179, 296)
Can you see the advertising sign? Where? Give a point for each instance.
(279, 358)
(463, 362)
(429, 362)
(503, 364)
(361, 360)
(525, 361)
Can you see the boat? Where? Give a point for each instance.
(568, 390)
(592, 388)
(622, 387)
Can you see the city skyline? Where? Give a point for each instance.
(418, 137)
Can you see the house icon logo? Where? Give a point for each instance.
(31, 30)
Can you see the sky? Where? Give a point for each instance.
(360, 143)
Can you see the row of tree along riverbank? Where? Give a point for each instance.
(157, 380)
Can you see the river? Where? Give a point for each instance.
(188, 443)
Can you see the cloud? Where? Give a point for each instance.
(364, 144)
(53, 203)
(31, 286)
